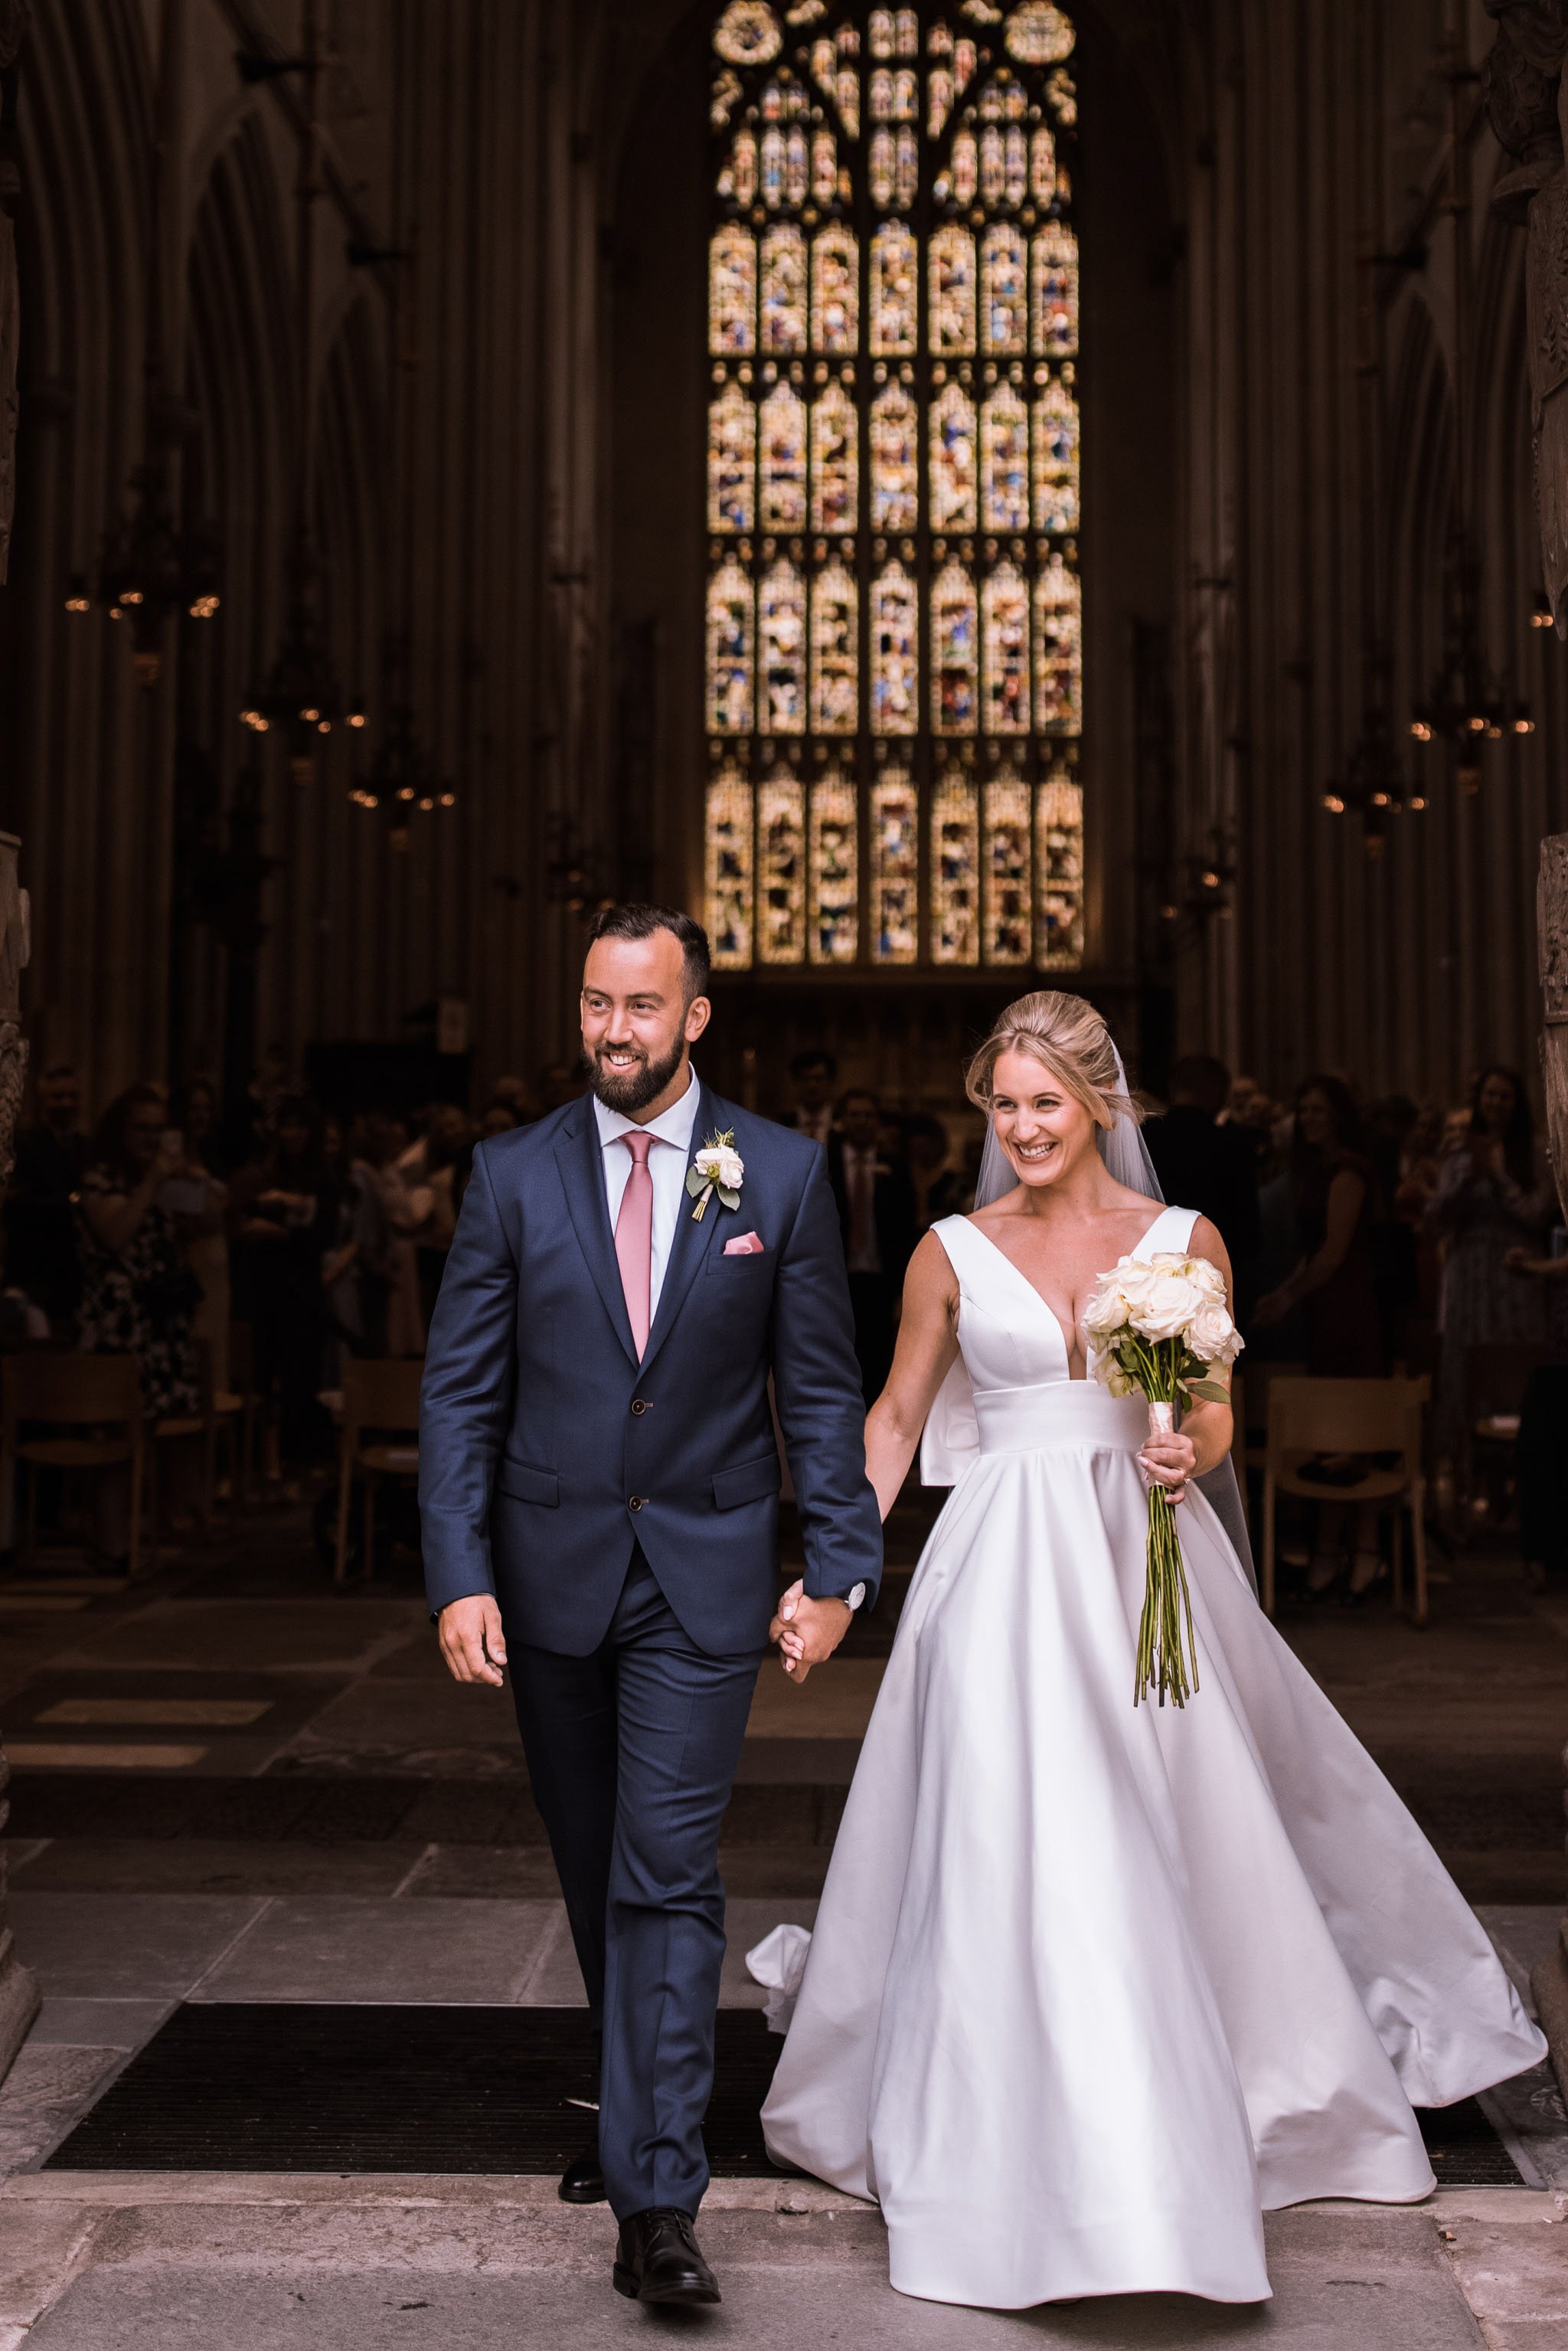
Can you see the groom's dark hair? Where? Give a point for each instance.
(640, 921)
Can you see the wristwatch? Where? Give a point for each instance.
(852, 1598)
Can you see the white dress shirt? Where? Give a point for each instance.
(667, 1162)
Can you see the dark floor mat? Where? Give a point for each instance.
(1464, 2150)
(298, 2086)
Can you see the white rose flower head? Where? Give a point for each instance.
(1213, 1337)
(722, 1166)
(1173, 1299)
(1106, 1312)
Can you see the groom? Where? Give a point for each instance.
(599, 1486)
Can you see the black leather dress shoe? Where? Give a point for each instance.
(657, 2259)
(582, 2181)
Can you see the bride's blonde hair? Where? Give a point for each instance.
(1067, 1036)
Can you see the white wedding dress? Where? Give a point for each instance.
(1091, 1986)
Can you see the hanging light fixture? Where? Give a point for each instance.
(150, 573)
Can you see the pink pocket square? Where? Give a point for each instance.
(744, 1245)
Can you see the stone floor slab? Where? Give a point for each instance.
(46, 2092)
(40, 2247)
(1362, 2284)
(220, 1865)
(126, 1945)
(64, 2022)
(340, 1948)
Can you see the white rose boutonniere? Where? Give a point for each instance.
(717, 1167)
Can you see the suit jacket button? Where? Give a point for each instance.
(639, 1406)
(637, 1501)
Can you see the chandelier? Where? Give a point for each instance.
(301, 697)
(151, 572)
(402, 780)
(1468, 704)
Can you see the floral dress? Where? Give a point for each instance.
(140, 1301)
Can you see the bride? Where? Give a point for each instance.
(1094, 1987)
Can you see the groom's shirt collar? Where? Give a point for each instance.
(672, 1125)
(672, 1131)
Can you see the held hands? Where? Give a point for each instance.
(472, 1641)
(1169, 1460)
(807, 1631)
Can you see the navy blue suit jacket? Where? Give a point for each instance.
(547, 1451)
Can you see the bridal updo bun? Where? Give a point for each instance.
(1067, 1036)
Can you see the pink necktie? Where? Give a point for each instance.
(635, 1239)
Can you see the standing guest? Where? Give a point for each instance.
(252, 1119)
(1207, 1166)
(354, 1269)
(512, 1094)
(935, 1186)
(1493, 1196)
(51, 1160)
(203, 1228)
(1335, 1284)
(501, 1118)
(436, 1170)
(815, 1073)
(385, 1139)
(561, 1082)
(285, 1214)
(877, 1214)
(139, 1295)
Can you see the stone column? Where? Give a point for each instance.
(1527, 104)
(18, 1992)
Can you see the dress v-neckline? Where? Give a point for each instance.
(1051, 1316)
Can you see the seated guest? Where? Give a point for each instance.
(1203, 1164)
(877, 1214)
(814, 1074)
(51, 1160)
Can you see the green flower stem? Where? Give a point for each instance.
(1163, 1666)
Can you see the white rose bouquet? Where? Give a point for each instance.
(1159, 1327)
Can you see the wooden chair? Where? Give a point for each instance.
(87, 1411)
(1497, 1373)
(184, 1428)
(380, 1401)
(235, 1410)
(1307, 1417)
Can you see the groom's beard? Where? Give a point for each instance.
(631, 1091)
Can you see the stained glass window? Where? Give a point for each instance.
(732, 461)
(782, 868)
(894, 461)
(955, 651)
(1007, 898)
(781, 646)
(1004, 627)
(894, 868)
(835, 290)
(1004, 461)
(731, 893)
(835, 460)
(783, 418)
(1056, 455)
(1059, 865)
(834, 871)
(955, 870)
(835, 653)
(951, 460)
(894, 659)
